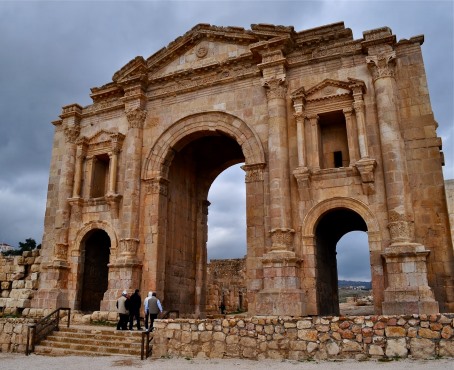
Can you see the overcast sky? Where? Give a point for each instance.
(52, 53)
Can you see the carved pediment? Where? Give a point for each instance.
(101, 137)
(328, 88)
(135, 68)
(203, 44)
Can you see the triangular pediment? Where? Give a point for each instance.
(203, 46)
(101, 137)
(134, 68)
(328, 88)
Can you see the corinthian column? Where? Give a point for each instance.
(281, 293)
(408, 290)
(131, 195)
(53, 278)
(278, 164)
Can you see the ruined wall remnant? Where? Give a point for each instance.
(18, 280)
(226, 281)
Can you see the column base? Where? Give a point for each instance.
(280, 302)
(411, 300)
(281, 295)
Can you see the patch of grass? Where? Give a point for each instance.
(103, 323)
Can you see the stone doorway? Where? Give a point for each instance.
(96, 251)
(196, 163)
(331, 227)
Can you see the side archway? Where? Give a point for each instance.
(93, 245)
(323, 226)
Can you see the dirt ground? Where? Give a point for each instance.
(13, 361)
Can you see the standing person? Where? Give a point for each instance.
(135, 301)
(122, 311)
(145, 309)
(154, 307)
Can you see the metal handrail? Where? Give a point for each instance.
(146, 347)
(43, 327)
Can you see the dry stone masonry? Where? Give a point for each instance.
(335, 134)
(305, 338)
(18, 281)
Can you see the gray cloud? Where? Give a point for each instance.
(52, 53)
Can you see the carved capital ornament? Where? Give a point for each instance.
(381, 65)
(136, 117)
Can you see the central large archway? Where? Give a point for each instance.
(180, 171)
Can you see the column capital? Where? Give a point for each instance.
(276, 88)
(381, 65)
(358, 106)
(116, 142)
(71, 133)
(282, 239)
(254, 172)
(313, 118)
(347, 111)
(136, 117)
(157, 185)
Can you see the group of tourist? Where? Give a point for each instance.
(128, 307)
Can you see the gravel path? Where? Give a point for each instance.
(13, 361)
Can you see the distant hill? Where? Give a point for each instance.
(346, 283)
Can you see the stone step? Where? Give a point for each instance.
(91, 341)
(104, 342)
(105, 336)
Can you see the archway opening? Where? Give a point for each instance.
(354, 274)
(331, 227)
(96, 253)
(226, 247)
(197, 162)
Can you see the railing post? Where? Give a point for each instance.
(142, 346)
(148, 344)
(69, 317)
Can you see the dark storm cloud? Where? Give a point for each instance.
(53, 52)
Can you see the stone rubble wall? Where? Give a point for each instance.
(226, 282)
(305, 338)
(13, 334)
(18, 281)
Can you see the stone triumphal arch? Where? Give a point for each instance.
(335, 134)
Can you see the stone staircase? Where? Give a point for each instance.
(90, 341)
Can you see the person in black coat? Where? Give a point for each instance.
(135, 302)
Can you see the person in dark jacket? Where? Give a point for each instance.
(135, 302)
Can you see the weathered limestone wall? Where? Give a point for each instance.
(449, 188)
(18, 280)
(226, 284)
(258, 338)
(13, 334)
